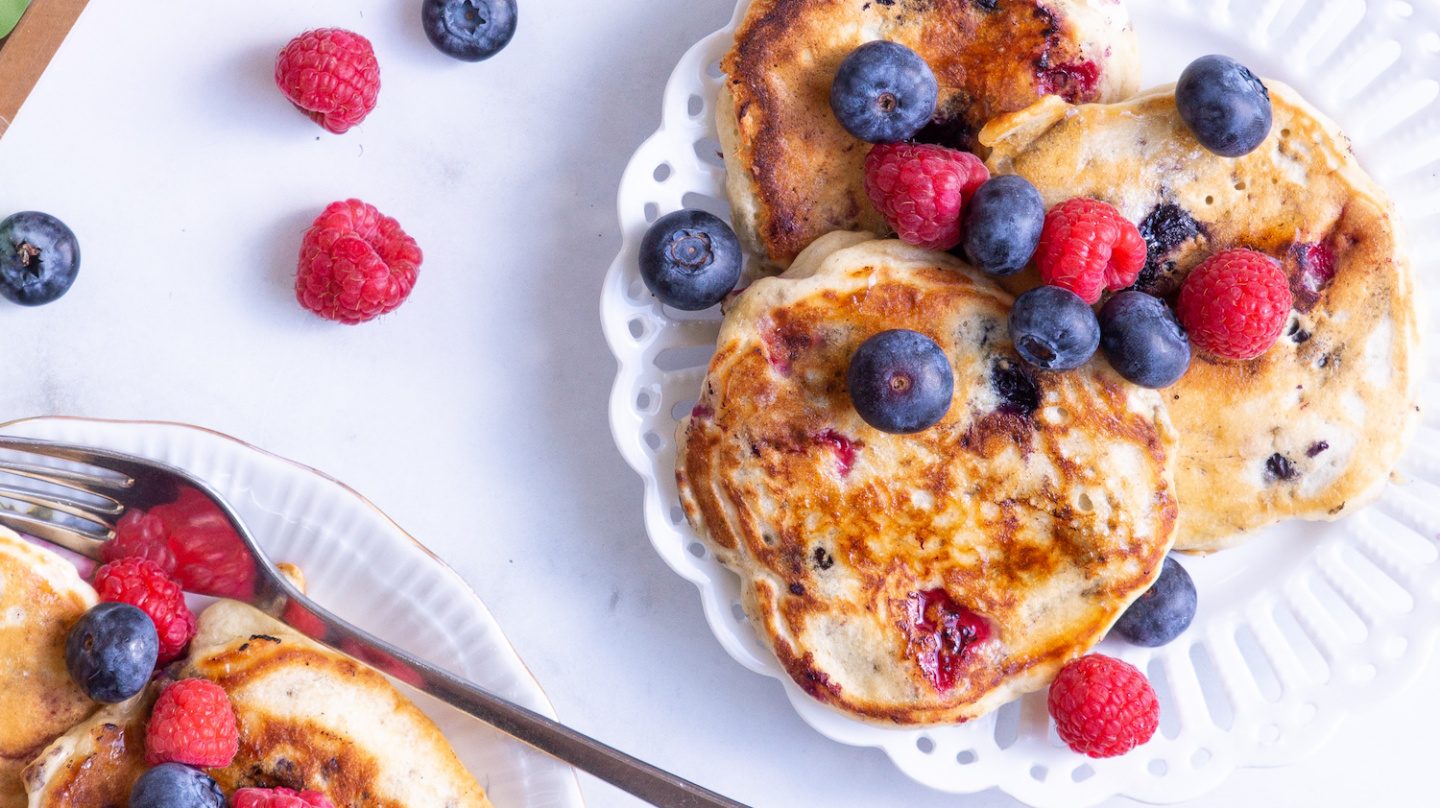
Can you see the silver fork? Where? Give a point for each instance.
(84, 506)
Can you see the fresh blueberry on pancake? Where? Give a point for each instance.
(883, 93)
(1003, 221)
(1225, 105)
(173, 785)
(111, 652)
(1053, 329)
(900, 381)
(1143, 340)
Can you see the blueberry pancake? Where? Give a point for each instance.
(794, 173)
(41, 596)
(930, 577)
(310, 718)
(1312, 428)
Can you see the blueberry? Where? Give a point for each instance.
(1225, 105)
(690, 259)
(884, 93)
(111, 652)
(39, 258)
(1143, 340)
(174, 785)
(900, 382)
(472, 30)
(1163, 612)
(1003, 223)
(1053, 329)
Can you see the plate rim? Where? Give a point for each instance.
(572, 792)
(617, 307)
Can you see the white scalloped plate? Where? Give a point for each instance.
(368, 570)
(1295, 628)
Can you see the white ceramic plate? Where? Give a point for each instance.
(1303, 624)
(364, 567)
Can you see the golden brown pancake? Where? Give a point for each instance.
(793, 173)
(925, 578)
(41, 597)
(1313, 428)
(309, 718)
(97, 761)
(313, 718)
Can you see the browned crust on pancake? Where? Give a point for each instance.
(870, 533)
(41, 700)
(804, 169)
(103, 775)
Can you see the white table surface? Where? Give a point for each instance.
(475, 415)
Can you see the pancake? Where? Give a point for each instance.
(309, 718)
(313, 718)
(1313, 428)
(793, 173)
(926, 578)
(97, 761)
(41, 596)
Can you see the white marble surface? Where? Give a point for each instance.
(476, 414)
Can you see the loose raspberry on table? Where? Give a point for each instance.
(278, 798)
(922, 189)
(1088, 247)
(192, 723)
(144, 584)
(1235, 304)
(1102, 706)
(331, 75)
(355, 264)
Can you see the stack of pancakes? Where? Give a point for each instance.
(1044, 502)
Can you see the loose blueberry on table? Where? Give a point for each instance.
(1225, 105)
(171, 785)
(111, 652)
(1164, 611)
(900, 382)
(884, 93)
(469, 30)
(1053, 329)
(1003, 221)
(39, 258)
(1143, 340)
(690, 259)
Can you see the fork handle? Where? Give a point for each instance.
(637, 777)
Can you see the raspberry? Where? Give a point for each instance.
(1103, 707)
(331, 75)
(278, 798)
(1088, 247)
(144, 584)
(921, 190)
(191, 541)
(140, 535)
(355, 264)
(192, 723)
(1235, 304)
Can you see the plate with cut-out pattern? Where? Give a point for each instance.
(1297, 627)
(351, 554)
